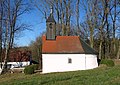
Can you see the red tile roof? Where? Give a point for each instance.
(18, 56)
(62, 44)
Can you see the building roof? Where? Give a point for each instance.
(66, 44)
(18, 56)
(50, 18)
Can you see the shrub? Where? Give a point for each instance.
(109, 63)
(35, 66)
(30, 69)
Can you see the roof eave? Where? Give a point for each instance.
(68, 53)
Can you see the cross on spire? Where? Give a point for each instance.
(51, 10)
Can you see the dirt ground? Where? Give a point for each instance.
(117, 62)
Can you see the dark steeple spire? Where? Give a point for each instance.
(50, 18)
(51, 26)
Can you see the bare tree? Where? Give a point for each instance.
(62, 13)
(91, 12)
(114, 13)
(97, 13)
(102, 19)
(36, 49)
(114, 22)
(1, 22)
(78, 14)
(118, 53)
(98, 24)
(106, 40)
(12, 12)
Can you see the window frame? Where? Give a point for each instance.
(69, 60)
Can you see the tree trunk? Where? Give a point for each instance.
(62, 19)
(40, 57)
(58, 18)
(7, 45)
(63, 30)
(114, 22)
(103, 48)
(1, 15)
(107, 42)
(106, 54)
(91, 37)
(4, 65)
(100, 47)
(77, 14)
(100, 50)
(68, 15)
(118, 53)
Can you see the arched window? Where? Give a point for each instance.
(69, 60)
(50, 25)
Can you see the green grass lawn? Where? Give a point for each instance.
(98, 76)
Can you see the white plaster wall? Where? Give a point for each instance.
(91, 61)
(59, 62)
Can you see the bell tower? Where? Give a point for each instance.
(51, 27)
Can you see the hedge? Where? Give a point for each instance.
(107, 62)
(30, 69)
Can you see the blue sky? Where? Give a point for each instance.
(38, 25)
